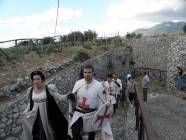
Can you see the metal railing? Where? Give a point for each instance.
(143, 122)
(158, 74)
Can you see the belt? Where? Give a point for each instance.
(85, 110)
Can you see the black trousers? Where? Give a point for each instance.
(145, 94)
(123, 97)
(77, 128)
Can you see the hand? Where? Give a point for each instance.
(71, 97)
(104, 92)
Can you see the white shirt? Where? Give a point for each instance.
(145, 81)
(118, 89)
(110, 88)
(88, 95)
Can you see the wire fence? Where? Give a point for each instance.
(15, 50)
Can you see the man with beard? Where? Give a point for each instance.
(89, 97)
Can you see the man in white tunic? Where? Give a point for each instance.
(111, 89)
(89, 97)
(118, 83)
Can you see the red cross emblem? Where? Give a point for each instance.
(110, 91)
(84, 104)
(99, 117)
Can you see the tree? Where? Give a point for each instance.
(48, 40)
(90, 35)
(184, 28)
(133, 35)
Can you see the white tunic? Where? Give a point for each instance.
(111, 91)
(118, 88)
(89, 96)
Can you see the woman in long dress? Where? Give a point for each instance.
(42, 118)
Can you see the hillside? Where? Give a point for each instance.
(165, 27)
(10, 71)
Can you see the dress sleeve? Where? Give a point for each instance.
(27, 108)
(54, 92)
(28, 105)
(101, 96)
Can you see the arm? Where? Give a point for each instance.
(120, 83)
(117, 83)
(54, 92)
(28, 105)
(127, 94)
(27, 109)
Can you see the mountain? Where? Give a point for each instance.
(165, 27)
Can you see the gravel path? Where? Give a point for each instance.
(123, 124)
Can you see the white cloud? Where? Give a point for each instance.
(37, 25)
(130, 9)
(113, 27)
(128, 15)
(122, 16)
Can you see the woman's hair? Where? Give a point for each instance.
(109, 76)
(37, 72)
(180, 71)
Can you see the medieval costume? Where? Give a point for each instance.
(89, 99)
(43, 119)
(111, 89)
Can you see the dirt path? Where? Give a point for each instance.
(123, 124)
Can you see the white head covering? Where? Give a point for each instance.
(128, 76)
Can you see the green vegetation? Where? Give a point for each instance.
(133, 35)
(184, 28)
(48, 45)
(81, 56)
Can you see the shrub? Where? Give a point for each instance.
(87, 45)
(81, 56)
(184, 28)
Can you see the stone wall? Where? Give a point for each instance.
(176, 57)
(161, 53)
(151, 52)
(114, 61)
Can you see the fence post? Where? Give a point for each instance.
(17, 51)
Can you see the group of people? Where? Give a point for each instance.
(44, 120)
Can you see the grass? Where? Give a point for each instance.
(35, 58)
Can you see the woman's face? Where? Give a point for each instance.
(37, 81)
(178, 71)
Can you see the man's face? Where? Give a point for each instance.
(115, 77)
(109, 79)
(88, 73)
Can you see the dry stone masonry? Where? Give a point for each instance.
(176, 57)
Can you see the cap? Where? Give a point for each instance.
(128, 76)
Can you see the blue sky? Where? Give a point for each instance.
(36, 18)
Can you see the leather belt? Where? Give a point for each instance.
(85, 110)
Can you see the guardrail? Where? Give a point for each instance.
(159, 74)
(143, 122)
